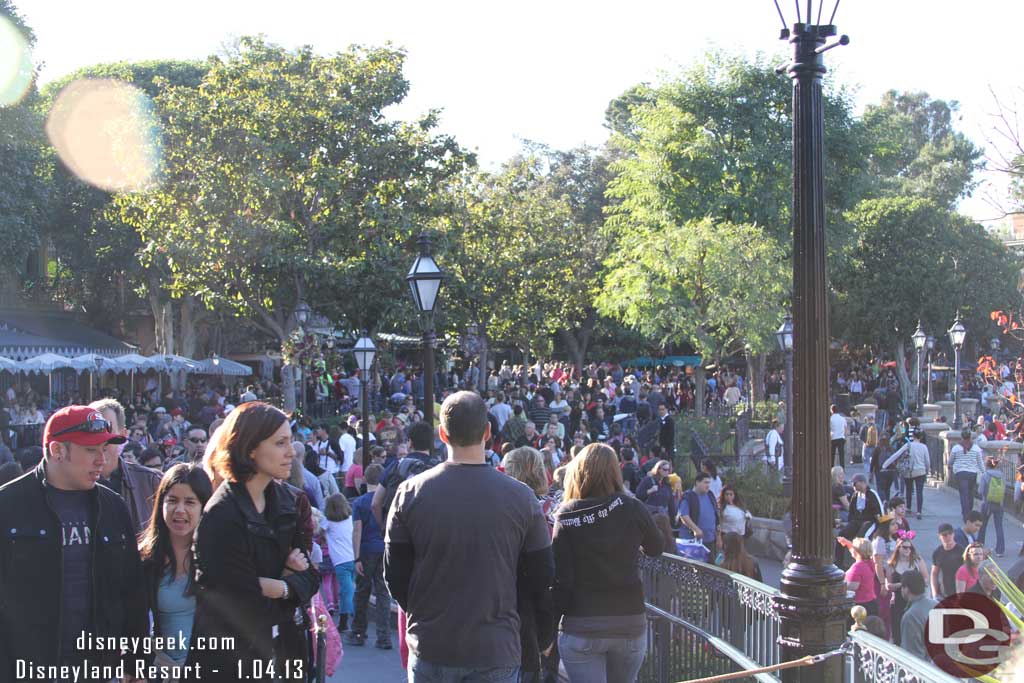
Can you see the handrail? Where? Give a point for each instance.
(874, 660)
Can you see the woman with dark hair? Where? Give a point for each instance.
(736, 557)
(598, 535)
(251, 552)
(165, 546)
(328, 484)
(735, 517)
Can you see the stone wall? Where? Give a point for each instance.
(768, 539)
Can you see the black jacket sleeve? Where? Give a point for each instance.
(539, 571)
(565, 572)
(222, 556)
(399, 559)
(651, 540)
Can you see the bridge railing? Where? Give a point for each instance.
(706, 621)
(708, 615)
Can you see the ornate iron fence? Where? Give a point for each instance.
(731, 615)
(706, 621)
(873, 660)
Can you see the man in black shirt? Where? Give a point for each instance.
(74, 561)
(946, 559)
(666, 432)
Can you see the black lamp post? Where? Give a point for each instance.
(302, 311)
(364, 351)
(957, 333)
(920, 339)
(812, 605)
(930, 343)
(425, 278)
(784, 336)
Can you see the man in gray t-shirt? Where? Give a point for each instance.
(456, 535)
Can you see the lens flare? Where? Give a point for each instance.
(106, 132)
(15, 64)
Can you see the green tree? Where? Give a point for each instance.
(717, 285)
(914, 259)
(915, 150)
(283, 180)
(23, 195)
(717, 142)
(96, 264)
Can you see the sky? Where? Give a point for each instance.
(546, 70)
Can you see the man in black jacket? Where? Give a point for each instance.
(68, 561)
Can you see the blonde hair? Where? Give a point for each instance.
(836, 471)
(862, 547)
(594, 473)
(526, 464)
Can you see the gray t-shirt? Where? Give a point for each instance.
(468, 525)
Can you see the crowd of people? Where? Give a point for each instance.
(223, 527)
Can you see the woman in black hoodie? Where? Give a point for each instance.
(599, 532)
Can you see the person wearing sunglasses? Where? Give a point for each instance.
(136, 484)
(70, 553)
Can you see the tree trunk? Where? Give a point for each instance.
(698, 394)
(577, 341)
(907, 387)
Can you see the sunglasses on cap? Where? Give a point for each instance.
(94, 425)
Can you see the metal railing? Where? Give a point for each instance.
(873, 660)
(706, 621)
(726, 612)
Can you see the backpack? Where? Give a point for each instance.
(996, 491)
(405, 468)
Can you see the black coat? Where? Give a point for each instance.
(235, 546)
(31, 574)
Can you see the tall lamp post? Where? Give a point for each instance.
(784, 336)
(302, 311)
(920, 339)
(425, 278)
(930, 343)
(812, 604)
(364, 351)
(956, 337)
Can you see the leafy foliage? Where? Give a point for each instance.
(914, 258)
(916, 151)
(282, 179)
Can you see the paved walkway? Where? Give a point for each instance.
(941, 504)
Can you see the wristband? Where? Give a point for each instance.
(284, 596)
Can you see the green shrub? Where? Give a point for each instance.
(760, 488)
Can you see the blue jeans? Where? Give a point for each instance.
(425, 672)
(867, 453)
(602, 660)
(346, 573)
(993, 510)
(965, 482)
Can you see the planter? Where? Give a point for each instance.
(930, 412)
(768, 539)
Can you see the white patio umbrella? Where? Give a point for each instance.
(8, 365)
(171, 363)
(46, 364)
(223, 366)
(133, 362)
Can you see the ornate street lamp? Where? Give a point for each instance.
(302, 312)
(784, 336)
(425, 278)
(920, 339)
(957, 333)
(812, 604)
(930, 343)
(98, 362)
(364, 351)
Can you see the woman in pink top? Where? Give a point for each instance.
(860, 578)
(967, 575)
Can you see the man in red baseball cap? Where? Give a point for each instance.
(74, 561)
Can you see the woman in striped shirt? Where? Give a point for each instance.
(966, 464)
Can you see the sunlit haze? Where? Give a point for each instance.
(545, 71)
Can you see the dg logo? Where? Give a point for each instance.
(967, 635)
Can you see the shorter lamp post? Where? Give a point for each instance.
(302, 312)
(98, 361)
(930, 343)
(920, 339)
(956, 337)
(784, 336)
(364, 351)
(425, 278)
